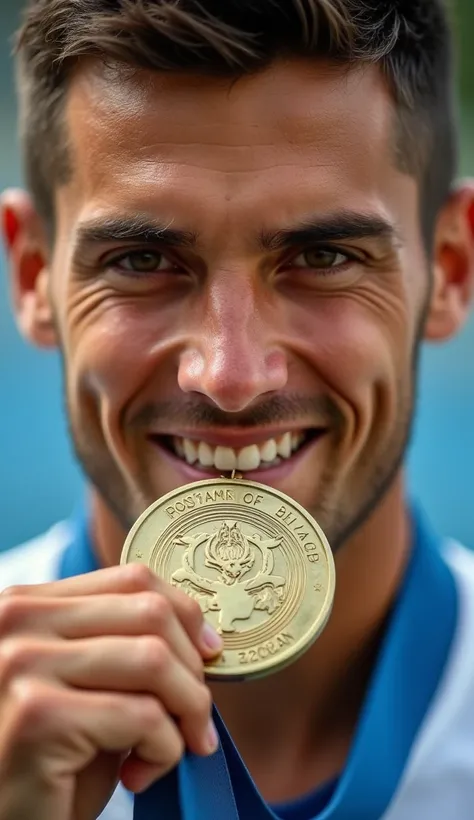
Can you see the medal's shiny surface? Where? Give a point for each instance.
(255, 560)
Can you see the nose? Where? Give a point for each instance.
(232, 357)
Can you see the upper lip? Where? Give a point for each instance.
(235, 438)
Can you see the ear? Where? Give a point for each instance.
(453, 265)
(27, 255)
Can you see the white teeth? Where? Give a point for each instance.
(178, 445)
(296, 439)
(284, 446)
(249, 458)
(268, 452)
(205, 454)
(225, 458)
(190, 452)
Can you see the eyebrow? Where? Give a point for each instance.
(333, 228)
(313, 230)
(131, 229)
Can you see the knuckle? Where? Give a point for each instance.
(154, 716)
(138, 577)
(34, 706)
(156, 610)
(192, 610)
(152, 712)
(9, 592)
(154, 654)
(11, 610)
(15, 657)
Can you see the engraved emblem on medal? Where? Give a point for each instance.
(257, 563)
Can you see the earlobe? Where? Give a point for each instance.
(27, 255)
(453, 266)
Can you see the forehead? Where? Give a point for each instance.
(299, 135)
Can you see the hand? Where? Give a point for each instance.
(101, 679)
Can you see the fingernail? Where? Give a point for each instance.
(211, 639)
(212, 738)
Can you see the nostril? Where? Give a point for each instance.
(231, 373)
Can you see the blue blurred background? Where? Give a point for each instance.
(39, 480)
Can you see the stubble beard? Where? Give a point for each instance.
(338, 515)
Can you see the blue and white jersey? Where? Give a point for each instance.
(412, 756)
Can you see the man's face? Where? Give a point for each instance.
(239, 281)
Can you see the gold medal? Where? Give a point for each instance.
(255, 560)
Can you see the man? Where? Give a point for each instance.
(241, 224)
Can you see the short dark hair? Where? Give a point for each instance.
(409, 39)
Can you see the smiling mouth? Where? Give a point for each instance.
(265, 455)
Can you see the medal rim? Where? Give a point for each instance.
(263, 667)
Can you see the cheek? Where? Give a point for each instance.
(112, 346)
(354, 341)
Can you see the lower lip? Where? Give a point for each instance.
(268, 475)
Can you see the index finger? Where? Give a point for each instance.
(127, 579)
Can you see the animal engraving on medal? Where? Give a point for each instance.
(227, 556)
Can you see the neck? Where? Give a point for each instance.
(294, 728)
